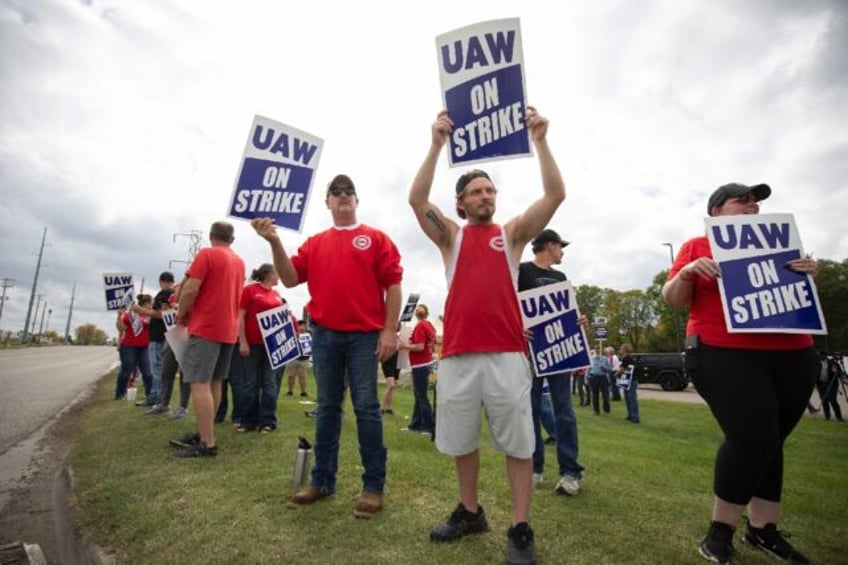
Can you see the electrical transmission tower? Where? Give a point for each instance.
(193, 247)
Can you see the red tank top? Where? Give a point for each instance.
(481, 310)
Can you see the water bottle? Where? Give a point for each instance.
(302, 462)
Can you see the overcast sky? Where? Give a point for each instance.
(122, 125)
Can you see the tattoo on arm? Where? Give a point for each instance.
(437, 221)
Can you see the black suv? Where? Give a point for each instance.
(664, 369)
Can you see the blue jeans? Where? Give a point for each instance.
(334, 355)
(546, 416)
(631, 399)
(259, 389)
(422, 412)
(154, 350)
(132, 357)
(565, 425)
(237, 378)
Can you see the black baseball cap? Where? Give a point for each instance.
(547, 236)
(734, 190)
(166, 276)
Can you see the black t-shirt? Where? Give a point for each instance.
(157, 326)
(531, 275)
(628, 360)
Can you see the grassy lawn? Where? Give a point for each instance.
(645, 496)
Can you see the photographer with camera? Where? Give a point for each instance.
(828, 384)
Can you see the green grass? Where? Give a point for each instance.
(645, 497)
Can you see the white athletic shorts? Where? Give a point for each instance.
(498, 381)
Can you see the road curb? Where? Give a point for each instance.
(72, 545)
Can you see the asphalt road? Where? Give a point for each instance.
(37, 382)
(40, 387)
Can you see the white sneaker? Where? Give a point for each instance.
(568, 485)
(179, 413)
(538, 479)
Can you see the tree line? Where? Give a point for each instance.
(643, 319)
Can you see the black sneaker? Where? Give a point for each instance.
(188, 440)
(520, 550)
(773, 541)
(718, 545)
(198, 450)
(460, 523)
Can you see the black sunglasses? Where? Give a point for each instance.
(338, 190)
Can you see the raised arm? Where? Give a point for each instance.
(526, 226)
(265, 228)
(431, 219)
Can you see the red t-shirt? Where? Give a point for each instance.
(706, 316)
(256, 298)
(129, 338)
(214, 315)
(425, 333)
(481, 310)
(347, 272)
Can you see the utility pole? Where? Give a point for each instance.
(4, 284)
(677, 337)
(70, 312)
(34, 285)
(49, 313)
(35, 312)
(41, 325)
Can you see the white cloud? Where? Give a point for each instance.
(122, 125)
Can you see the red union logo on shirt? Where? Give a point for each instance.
(497, 243)
(362, 242)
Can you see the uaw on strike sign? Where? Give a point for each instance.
(481, 69)
(279, 336)
(759, 293)
(276, 174)
(559, 343)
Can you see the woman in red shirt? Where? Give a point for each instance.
(756, 384)
(255, 403)
(133, 346)
(421, 345)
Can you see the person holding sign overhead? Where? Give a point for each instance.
(353, 273)
(484, 350)
(756, 384)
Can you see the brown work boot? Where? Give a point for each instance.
(306, 497)
(368, 504)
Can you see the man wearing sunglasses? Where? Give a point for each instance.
(353, 273)
(483, 357)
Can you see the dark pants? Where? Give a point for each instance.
(422, 413)
(757, 398)
(169, 374)
(132, 357)
(565, 422)
(580, 382)
(259, 389)
(828, 392)
(600, 387)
